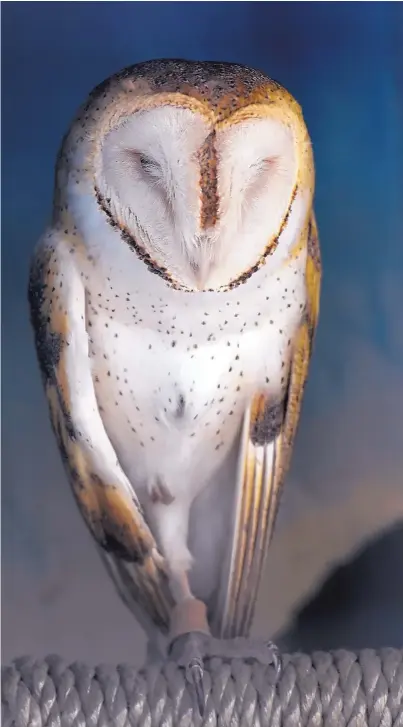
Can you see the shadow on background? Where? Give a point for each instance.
(341, 61)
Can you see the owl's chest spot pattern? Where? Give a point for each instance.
(172, 382)
(165, 404)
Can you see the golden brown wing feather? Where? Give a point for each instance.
(266, 446)
(112, 513)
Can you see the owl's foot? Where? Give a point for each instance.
(189, 634)
(240, 647)
(190, 648)
(195, 669)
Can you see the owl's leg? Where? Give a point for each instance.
(171, 520)
(189, 626)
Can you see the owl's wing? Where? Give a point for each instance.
(104, 495)
(266, 445)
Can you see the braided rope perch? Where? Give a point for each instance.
(332, 689)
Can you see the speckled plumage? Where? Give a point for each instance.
(150, 378)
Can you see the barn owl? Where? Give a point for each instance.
(174, 299)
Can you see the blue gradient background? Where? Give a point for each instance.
(344, 63)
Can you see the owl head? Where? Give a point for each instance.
(203, 169)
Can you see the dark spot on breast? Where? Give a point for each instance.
(180, 407)
(268, 424)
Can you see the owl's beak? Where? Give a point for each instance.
(201, 255)
(201, 272)
(199, 275)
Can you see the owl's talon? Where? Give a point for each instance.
(194, 675)
(188, 651)
(189, 634)
(275, 655)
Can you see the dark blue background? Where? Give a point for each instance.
(342, 61)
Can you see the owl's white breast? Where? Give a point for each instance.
(174, 371)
